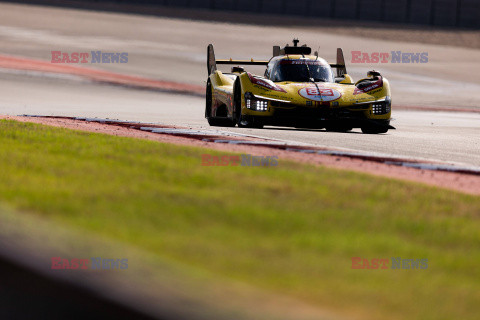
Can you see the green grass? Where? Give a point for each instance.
(292, 229)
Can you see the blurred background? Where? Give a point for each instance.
(166, 41)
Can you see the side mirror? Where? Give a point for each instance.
(344, 79)
(237, 70)
(276, 51)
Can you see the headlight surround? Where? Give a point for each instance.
(382, 107)
(255, 104)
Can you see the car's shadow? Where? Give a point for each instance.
(307, 130)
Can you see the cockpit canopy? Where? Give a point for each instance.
(300, 70)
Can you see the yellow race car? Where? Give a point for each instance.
(299, 90)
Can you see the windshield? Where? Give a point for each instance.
(301, 71)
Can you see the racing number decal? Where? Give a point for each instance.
(323, 94)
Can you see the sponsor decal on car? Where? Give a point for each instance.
(377, 84)
(264, 83)
(274, 96)
(319, 94)
(293, 84)
(304, 61)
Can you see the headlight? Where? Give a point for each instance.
(382, 107)
(255, 104)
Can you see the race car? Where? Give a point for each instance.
(298, 90)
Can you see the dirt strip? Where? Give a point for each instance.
(449, 180)
(20, 63)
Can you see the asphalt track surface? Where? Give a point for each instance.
(445, 136)
(174, 50)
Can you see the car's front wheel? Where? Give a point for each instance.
(250, 122)
(243, 121)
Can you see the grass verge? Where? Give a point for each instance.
(291, 229)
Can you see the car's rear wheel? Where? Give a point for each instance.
(213, 121)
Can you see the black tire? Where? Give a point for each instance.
(218, 122)
(237, 102)
(243, 121)
(208, 100)
(250, 122)
(374, 129)
(213, 121)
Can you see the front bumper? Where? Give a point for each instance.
(321, 117)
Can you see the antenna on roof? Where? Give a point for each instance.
(295, 42)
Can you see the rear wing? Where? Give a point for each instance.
(340, 65)
(212, 62)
